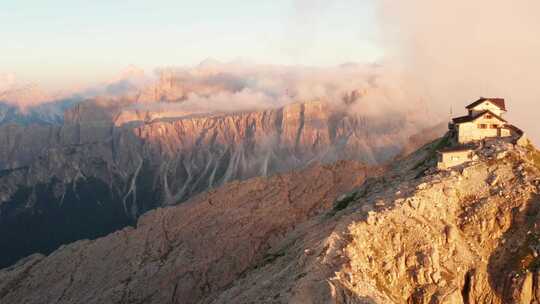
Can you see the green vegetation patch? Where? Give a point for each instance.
(441, 144)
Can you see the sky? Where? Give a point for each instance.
(450, 52)
(59, 43)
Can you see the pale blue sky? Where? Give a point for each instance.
(65, 42)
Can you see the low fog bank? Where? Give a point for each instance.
(370, 90)
(31, 97)
(215, 87)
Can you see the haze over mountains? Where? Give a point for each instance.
(303, 180)
(82, 167)
(243, 86)
(451, 61)
(216, 87)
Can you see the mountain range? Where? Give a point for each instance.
(103, 163)
(341, 233)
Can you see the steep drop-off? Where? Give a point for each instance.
(184, 253)
(92, 174)
(413, 235)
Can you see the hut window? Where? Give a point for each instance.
(494, 126)
(482, 126)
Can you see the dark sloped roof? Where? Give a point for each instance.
(515, 129)
(499, 102)
(463, 119)
(460, 148)
(470, 118)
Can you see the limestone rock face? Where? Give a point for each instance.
(446, 237)
(99, 171)
(187, 253)
(457, 238)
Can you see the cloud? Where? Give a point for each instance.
(456, 51)
(214, 87)
(25, 95)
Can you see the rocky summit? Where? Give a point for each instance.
(414, 234)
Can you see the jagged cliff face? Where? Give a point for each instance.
(181, 254)
(414, 235)
(92, 175)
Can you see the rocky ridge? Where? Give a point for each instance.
(90, 176)
(418, 235)
(182, 254)
(413, 235)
